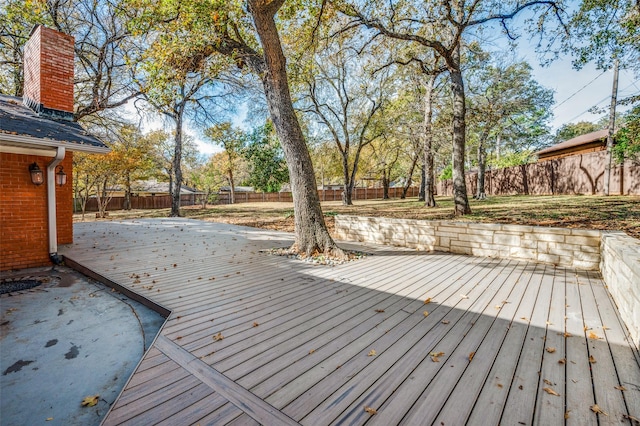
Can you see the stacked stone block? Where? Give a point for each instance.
(579, 248)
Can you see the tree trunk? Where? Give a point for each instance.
(482, 166)
(127, 193)
(232, 186)
(385, 185)
(207, 193)
(176, 182)
(428, 169)
(423, 182)
(460, 200)
(407, 185)
(347, 198)
(84, 197)
(310, 229)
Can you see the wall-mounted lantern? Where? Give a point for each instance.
(37, 177)
(61, 176)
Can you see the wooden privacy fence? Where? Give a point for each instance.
(324, 194)
(146, 202)
(164, 201)
(577, 174)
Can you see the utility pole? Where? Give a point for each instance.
(612, 123)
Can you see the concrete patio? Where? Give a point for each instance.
(64, 340)
(399, 337)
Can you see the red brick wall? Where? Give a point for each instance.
(24, 235)
(48, 69)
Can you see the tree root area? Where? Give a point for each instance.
(317, 257)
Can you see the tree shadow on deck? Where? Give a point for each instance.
(429, 339)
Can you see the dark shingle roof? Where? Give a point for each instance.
(20, 125)
(577, 141)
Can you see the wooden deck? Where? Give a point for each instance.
(254, 338)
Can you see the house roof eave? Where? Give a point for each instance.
(7, 139)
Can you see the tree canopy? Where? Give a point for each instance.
(356, 92)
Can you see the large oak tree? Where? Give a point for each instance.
(247, 33)
(440, 26)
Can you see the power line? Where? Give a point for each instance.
(579, 90)
(600, 101)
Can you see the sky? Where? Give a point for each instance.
(576, 92)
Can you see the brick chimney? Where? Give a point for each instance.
(48, 73)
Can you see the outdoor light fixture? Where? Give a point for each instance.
(61, 176)
(37, 178)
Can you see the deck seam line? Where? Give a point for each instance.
(253, 406)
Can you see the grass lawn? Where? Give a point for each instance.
(592, 212)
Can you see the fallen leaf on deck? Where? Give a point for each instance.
(549, 323)
(445, 321)
(597, 409)
(372, 353)
(90, 401)
(179, 337)
(379, 311)
(217, 337)
(621, 388)
(567, 334)
(175, 265)
(49, 419)
(635, 420)
(562, 361)
(370, 410)
(566, 414)
(551, 350)
(471, 355)
(499, 385)
(592, 360)
(311, 351)
(593, 336)
(435, 356)
(551, 391)
(547, 382)
(464, 296)
(427, 301)
(425, 313)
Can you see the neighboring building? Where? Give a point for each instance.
(591, 142)
(151, 187)
(237, 189)
(37, 139)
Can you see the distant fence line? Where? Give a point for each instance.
(577, 174)
(164, 201)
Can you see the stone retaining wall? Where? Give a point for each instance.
(620, 269)
(615, 254)
(578, 248)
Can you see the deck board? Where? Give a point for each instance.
(297, 336)
(487, 357)
(577, 369)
